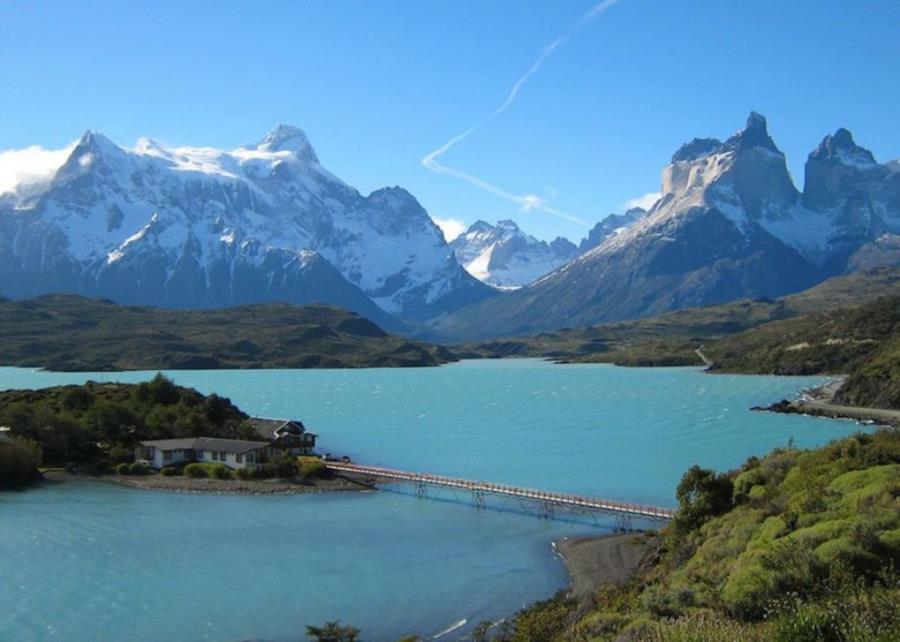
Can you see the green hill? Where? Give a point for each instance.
(69, 333)
(875, 382)
(795, 547)
(832, 342)
(671, 339)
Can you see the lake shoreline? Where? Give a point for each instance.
(207, 486)
(593, 561)
(819, 402)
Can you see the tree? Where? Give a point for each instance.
(159, 390)
(19, 461)
(702, 494)
(333, 632)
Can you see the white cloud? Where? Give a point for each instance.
(451, 227)
(30, 165)
(646, 201)
(531, 201)
(527, 202)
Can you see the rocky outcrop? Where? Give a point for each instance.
(610, 226)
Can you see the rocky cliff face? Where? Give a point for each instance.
(200, 227)
(610, 226)
(504, 256)
(730, 224)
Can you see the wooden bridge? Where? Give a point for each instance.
(544, 503)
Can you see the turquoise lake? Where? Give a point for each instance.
(94, 561)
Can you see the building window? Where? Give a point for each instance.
(249, 458)
(167, 454)
(239, 459)
(199, 454)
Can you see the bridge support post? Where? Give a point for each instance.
(623, 524)
(478, 499)
(547, 510)
(421, 490)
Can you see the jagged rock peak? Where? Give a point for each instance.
(697, 148)
(754, 134)
(287, 138)
(841, 147)
(563, 245)
(480, 226)
(395, 195)
(94, 142)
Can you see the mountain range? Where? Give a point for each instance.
(196, 227)
(730, 224)
(505, 257)
(193, 227)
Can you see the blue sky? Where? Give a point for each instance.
(378, 85)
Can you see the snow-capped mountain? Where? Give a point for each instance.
(610, 226)
(201, 227)
(730, 224)
(504, 256)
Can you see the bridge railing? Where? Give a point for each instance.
(562, 499)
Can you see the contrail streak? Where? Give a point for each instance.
(526, 202)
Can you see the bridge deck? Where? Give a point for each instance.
(559, 499)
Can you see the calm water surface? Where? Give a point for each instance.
(94, 561)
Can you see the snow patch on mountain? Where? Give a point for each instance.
(848, 198)
(195, 209)
(505, 257)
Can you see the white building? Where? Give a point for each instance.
(234, 453)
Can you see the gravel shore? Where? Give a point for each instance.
(607, 559)
(215, 486)
(819, 402)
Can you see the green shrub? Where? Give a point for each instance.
(137, 469)
(745, 483)
(667, 602)
(123, 469)
(168, 471)
(285, 467)
(266, 471)
(244, 474)
(196, 471)
(221, 471)
(310, 467)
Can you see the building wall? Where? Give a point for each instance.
(158, 460)
(248, 460)
(230, 459)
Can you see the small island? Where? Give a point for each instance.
(155, 435)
